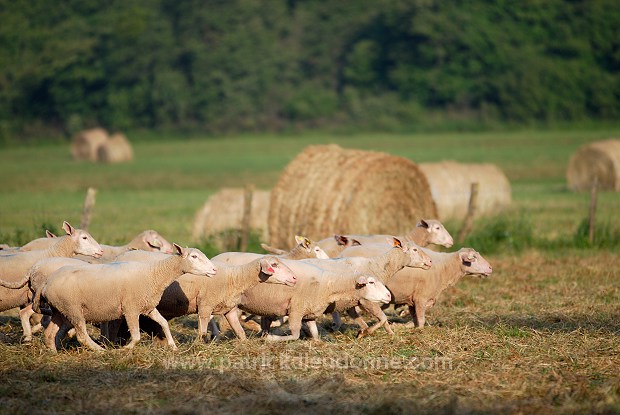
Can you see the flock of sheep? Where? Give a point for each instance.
(72, 280)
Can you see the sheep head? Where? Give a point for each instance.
(84, 242)
(472, 263)
(276, 272)
(438, 234)
(373, 290)
(195, 262)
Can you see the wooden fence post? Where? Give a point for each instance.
(89, 203)
(247, 216)
(468, 222)
(592, 217)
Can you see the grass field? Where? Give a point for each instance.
(541, 335)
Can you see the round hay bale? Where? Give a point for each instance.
(116, 150)
(327, 190)
(450, 184)
(85, 144)
(223, 213)
(598, 159)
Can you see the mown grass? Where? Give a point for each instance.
(541, 335)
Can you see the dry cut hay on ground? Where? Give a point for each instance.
(599, 159)
(223, 212)
(450, 184)
(327, 189)
(115, 150)
(85, 144)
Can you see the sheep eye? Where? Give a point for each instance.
(194, 256)
(275, 265)
(84, 237)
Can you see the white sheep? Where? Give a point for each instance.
(14, 291)
(104, 292)
(148, 240)
(427, 231)
(35, 277)
(420, 290)
(39, 243)
(315, 290)
(342, 242)
(219, 295)
(382, 265)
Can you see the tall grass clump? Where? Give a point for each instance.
(503, 233)
(606, 236)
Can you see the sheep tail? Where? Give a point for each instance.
(272, 249)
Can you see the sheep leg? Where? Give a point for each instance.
(51, 330)
(214, 328)
(113, 328)
(314, 330)
(64, 329)
(24, 316)
(354, 314)
(414, 317)
(376, 311)
(158, 318)
(265, 325)
(420, 313)
(337, 321)
(82, 335)
(294, 322)
(233, 319)
(39, 320)
(133, 324)
(204, 318)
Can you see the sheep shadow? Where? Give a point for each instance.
(557, 322)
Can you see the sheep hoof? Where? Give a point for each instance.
(27, 339)
(362, 333)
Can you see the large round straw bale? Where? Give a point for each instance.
(85, 144)
(223, 212)
(599, 159)
(451, 188)
(116, 150)
(327, 190)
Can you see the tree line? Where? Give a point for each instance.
(269, 65)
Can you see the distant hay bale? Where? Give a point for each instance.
(223, 212)
(115, 150)
(450, 184)
(85, 144)
(327, 189)
(598, 159)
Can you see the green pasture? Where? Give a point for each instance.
(171, 178)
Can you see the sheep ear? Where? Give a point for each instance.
(178, 249)
(49, 234)
(266, 267)
(155, 242)
(341, 240)
(355, 242)
(68, 228)
(361, 281)
(396, 242)
(422, 224)
(467, 257)
(303, 241)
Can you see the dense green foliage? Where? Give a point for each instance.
(255, 65)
